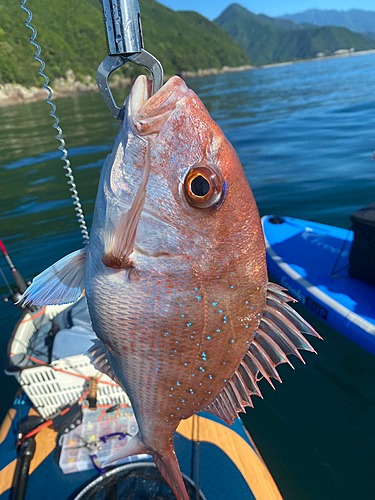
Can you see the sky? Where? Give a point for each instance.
(213, 8)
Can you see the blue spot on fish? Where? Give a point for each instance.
(210, 376)
(208, 338)
(199, 298)
(214, 304)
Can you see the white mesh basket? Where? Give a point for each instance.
(49, 388)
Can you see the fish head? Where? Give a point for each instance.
(197, 204)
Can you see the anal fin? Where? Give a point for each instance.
(62, 283)
(98, 358)
(280, 333)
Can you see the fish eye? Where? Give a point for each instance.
(202, 186)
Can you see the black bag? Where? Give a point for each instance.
(362, 252)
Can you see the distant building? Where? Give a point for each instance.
(343, 51)
(320, 54)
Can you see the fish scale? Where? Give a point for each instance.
(175, 278)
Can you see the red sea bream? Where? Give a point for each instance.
(175, 274)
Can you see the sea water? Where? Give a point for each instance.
(305, 134)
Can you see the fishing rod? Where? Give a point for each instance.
(21, 285)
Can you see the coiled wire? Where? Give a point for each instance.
(64, 157)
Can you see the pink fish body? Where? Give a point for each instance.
(175, 274)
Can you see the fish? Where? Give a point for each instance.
(175, 275)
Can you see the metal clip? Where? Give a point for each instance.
(122, 19)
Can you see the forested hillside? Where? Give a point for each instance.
(71, 33)
(271, 40)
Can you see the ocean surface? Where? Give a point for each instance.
(305, 134)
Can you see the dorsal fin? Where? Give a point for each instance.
(279, 334)
(98, 358)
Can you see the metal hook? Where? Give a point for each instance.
(122, 19)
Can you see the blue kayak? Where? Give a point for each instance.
(311, 260)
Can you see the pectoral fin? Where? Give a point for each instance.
(62, 283)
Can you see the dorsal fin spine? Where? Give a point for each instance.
(278, 335)
(294, 334)
(253, 386)
(286, 343)
(265, 340)
(235, 395)
(228, 404)
(222, 410)
(255, 352)
(242, 389)
(267, 360)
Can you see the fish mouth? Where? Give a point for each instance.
(149, 113)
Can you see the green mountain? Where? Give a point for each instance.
(271, 40)
(71, 34)
(370, 34)
(357, 20)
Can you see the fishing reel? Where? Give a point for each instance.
(15, 296)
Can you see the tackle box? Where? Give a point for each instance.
(81, 442)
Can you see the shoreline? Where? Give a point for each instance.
(322, 58)
(13, 94)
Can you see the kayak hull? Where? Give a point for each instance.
(311, 260)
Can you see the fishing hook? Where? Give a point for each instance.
(122, 20)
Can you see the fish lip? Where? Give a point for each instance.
(139, 94)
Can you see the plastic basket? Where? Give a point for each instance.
(49, 388)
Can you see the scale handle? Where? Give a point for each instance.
(122, 19)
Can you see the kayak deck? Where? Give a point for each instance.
(229, 464)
